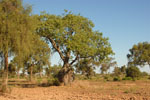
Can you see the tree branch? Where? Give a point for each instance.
(77, 57)
(56, 47)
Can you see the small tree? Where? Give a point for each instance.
(12, 69)
(117, 71)
(85, 67)
(139, 54)
(133, 72)
(53, 70)
(123, 69)
(38, 57)
(106, 64)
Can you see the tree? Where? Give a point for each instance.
(16, 29)
(38, 57)
(12, 69)
(53, 70)
(106, 64)
(72, 36)
(139, 54)
(117, 71)
(85, 67)
(133, 72)
(123, 69)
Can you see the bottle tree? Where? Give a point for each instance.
(73, 38)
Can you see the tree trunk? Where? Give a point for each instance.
(18, 75)
(65, 76)
(31, 70)
(23, 73)
(40, 74)
(5, 75)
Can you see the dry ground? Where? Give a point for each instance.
(84, 90)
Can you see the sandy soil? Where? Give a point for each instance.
(84, 90)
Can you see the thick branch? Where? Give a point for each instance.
(87, 57)
(56, 47)
(77, 57)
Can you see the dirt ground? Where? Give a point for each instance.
(84, 90)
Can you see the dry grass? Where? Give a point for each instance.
(84, 90)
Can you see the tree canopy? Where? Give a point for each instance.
(16, 32)
(139, 54)
(72, 36)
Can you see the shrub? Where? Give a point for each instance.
(144, 74)
(116, 79)
(133, 72)
(53, 82)
(127, 78)
(107, 78)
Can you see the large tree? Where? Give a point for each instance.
(139, 54)
(15, 32)
(72, 37)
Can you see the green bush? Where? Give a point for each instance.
(144, 74)
(53, 82)
(106, 78)
(127, 78)
(133, 72)
(116, 79)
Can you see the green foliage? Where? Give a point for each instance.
(12, 69)
(127, 78)
(16, 32)
(144, 74)
(72, 36)
(116, 79)
(107, 77)
(16, 27)
(53, 82)
(37, 58)
(107, 64)
(53, 70)
(139, 54)
(85, 67)
(73, 33)
(123, 69)
(117, 71)
(133, 72)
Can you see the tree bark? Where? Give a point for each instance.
(65, 76)
(18, 75)
(5, 75)
(40, 74)
(31, 70)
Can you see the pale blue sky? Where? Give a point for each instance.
(125, 22)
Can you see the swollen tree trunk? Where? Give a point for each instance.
(5, 75)
(65, 76)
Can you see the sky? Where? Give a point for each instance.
(125, 22)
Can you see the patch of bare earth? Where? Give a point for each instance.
(84, 90)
